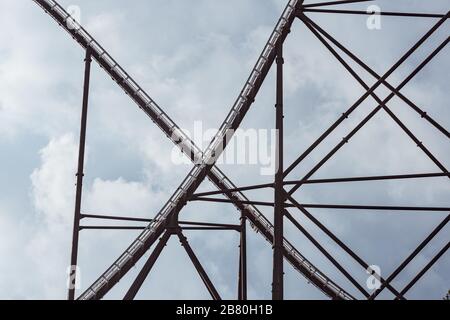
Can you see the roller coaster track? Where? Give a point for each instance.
(203, 161)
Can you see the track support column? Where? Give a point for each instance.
(80, 174)
(277, 284)
(242, 285)
(137, 284)
(198, 266)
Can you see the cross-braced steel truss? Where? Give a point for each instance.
(166, 223)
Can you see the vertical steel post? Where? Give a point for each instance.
(242, 285)
(277, 284)
(80, 174)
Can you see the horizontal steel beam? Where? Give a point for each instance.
(381, 13)
(383, 208)
(187, 223)
(329, 206)
(333, 3)
(254, 203)
(103, 217)
(234, 228)
(111, 228)
(329, 180)
(372, 178)
(210, 228)
(208, 224)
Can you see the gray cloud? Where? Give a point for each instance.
(193, 57)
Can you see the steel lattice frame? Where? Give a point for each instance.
(166, 222)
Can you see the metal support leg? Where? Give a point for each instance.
(326, 254)
(203, 275)
(80, 173)
(147, 267)
(242, 287)
(412, 256)
(277, 285)
(424, 270)
(341, 244)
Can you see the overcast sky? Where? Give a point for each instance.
(193, 57)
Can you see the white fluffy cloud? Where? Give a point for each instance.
(53, 182)
(46, 246)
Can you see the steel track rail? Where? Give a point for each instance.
(202, 168)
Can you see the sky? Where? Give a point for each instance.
(193, 57)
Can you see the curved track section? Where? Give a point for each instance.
(203, 161)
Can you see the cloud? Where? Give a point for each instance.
(194, 67)
(47, 242)
(123, 197)
(53, 182)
